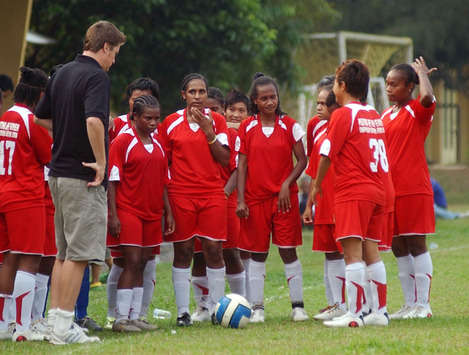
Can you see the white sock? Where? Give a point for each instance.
(405, 264)
(294, 276)
(111, 289)
(63, 321)
(367, 303)
(256, 282)
(23, 294)
(327, 285)
(10, 309)
(237, 283)
(124, 299)
(3, 311)
(354, 281)
(182, 288)
(136, 303)
(216, 286)
(247, 263)
(200, 288)
(149, 281)
(378, 287)
(423, 277)
(336, 275)
(51, 317)
(40, 296)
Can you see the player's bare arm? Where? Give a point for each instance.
(219, 152)
(308, 213)
(426, 90)
(114, 225)
(95, 129)
(170, 223)
(230, 185)
(324, 164)
(242, 209)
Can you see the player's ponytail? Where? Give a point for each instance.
(32, 83)
(141, 102)
(259, 79)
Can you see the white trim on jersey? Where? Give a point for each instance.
(355, 109)
(24, 114)
(123, 118)
(174, 124)
(251, 125)
(114, 174)
(129, 148)
(222, 138)
(237, 146)
(320, 134)
(318, 126)
(325, 147)
(159, 145)
(283, 125)
(298, 132)
(408, 108)
(386, 112)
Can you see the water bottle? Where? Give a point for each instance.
(161, 314)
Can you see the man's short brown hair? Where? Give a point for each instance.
(102, 32)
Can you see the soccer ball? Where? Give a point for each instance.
(233, 311)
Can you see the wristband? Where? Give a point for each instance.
(213, 141)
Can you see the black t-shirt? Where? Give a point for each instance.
(78, 90)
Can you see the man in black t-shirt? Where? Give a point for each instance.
(76, 108)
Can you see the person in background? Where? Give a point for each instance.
(441, 206)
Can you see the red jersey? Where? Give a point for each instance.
(24, 150)
(355, 144)
(269, 155)
(141, 172)
(406, 131)
(324, 213)
(226, 171)
(194, 171)
(119, 125)
(314, 124)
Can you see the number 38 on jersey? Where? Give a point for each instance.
(379, 155)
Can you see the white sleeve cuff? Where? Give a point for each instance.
(298, 132)
(114, 174)
(325, 147)
(222, 138)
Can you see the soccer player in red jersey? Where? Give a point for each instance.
(215, 100)
(136, 207)
(407, 125)
(138, 87)
(24, 150)
(268, 194)
(323, 239)
(355, 146)
(196, 140)
(236, 110)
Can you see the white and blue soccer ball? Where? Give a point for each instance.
(233, 311)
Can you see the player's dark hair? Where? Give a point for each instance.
(409, 73)
(235, 96)
(6, 84)
(142, 102)
(260, 80)
(356, 77)
(216, 94)
(192, 76)
(327, 80)
(32, 82)
(141, 84)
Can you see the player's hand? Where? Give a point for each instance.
(308, 214)
(242, 210)
(170, 224)
(314, 193)
(284, 203)
(99, 177)
(420, 66)
(206, 124)
(114, 226)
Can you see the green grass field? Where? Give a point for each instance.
(446, 332)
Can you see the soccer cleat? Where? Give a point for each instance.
(330, 313)
(380, 319)
(419, 311)
(257, 316)
(41, 326)
(201, 314)
(184, 320)
(401, 313)
(125, 326)
(27, 335)
(109, 322)
(325, 309)
(347, 320)
(298, 314)
(143, 324)
(89, 323)
(75, 335)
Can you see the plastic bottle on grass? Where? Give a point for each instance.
(161, 314)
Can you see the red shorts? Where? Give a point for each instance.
(414, 215)
(265, 219)
(202, 217)
(49, 245)
(136, 232)
(23, 231)
(359, 219)
(388, 228)
(324, 240)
